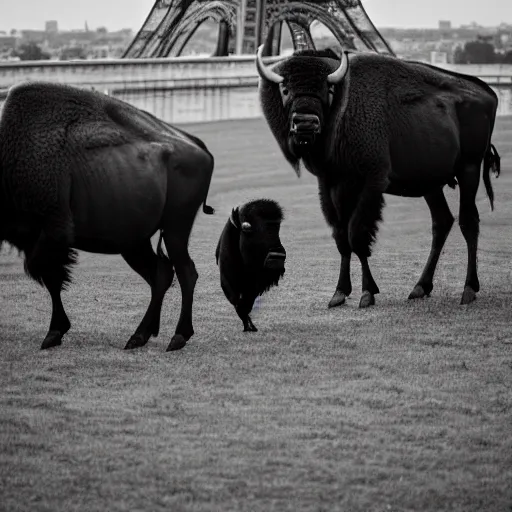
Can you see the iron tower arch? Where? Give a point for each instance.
(245, 24)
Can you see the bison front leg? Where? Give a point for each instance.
(362, 232)
(243, 308)
(49, 263)
(336, 207)
(59, 324)
(344, 286)
(186, 272)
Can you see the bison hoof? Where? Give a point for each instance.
(337, 299)
(136, 341)
(468, 296)
(249, 326)
(177, 343)
(418, 292)
(53, 339)
(367, 299)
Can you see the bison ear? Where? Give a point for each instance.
(235, 218)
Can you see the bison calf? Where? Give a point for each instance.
(250, 255)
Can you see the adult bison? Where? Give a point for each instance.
(368, 124)
(81, 170)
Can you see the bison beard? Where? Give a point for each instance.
(262, 280)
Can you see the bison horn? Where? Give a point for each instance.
(337, 76)
(265, 72)
(246, 226)
(234, 219)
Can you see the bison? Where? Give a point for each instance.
(80, 170)
(368, 124)
(250, 255)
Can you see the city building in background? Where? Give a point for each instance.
(227, 27)
(54, 44)
(51, 27)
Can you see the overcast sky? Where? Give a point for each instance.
(116, 14)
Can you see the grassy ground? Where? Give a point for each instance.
(404, 406)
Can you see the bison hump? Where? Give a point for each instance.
(96, 134)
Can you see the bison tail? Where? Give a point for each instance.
(209, 210)
(492, 162)
(162, 256)
(159, 251)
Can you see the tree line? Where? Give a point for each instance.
(32, 51)
(480, 52)
(473, 52)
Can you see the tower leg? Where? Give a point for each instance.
(276, 38)
(301, 36)
(163, 34)
(222, 49)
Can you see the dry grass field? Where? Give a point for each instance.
(406, 406)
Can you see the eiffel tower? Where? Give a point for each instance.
(245, 24)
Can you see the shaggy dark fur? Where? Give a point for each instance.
(81, 170)
(391, 126)
(241, 254)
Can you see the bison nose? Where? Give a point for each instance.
(304, 128)
(305, 123)
(275, 258)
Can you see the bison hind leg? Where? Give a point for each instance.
(469, 220)
(158, 271)
(442, 221)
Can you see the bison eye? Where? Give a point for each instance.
(246, 227)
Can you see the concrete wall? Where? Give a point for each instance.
(181, 90)
(115, 73)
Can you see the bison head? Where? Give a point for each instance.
(298, 113)
(259, 222)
